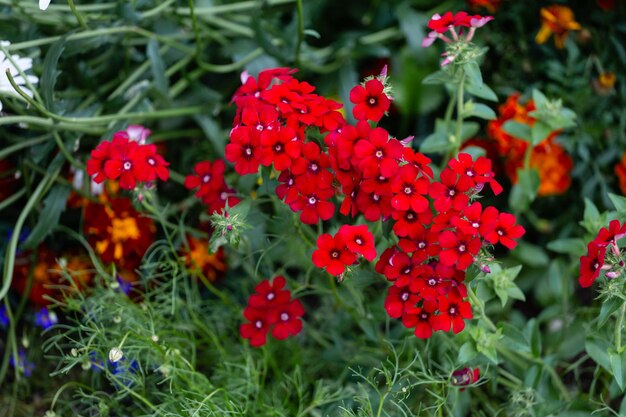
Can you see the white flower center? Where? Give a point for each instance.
(270, 296)
(206, 179)
(248, 151)
(127, 165)
(258, 324)
(452, 311)
(151, 161)
(475, 225)
(462, 248)
(284, 317)
(405, 296)
(372, 101)
(407, 190)
(379, 154)
(312, 200)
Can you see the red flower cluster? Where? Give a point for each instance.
(439, 25)
(381, 179)
(596, 259)
(208, 178)
(271, 308)
(127, 160)
(337, 252)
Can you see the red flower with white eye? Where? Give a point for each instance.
(270, 294)
(333, 254)
(95, 164)
(286, 319)
(419, 161)
(505, 230)
(474, 221)
(359, 240)
(286, 190)
(312, 202)
(208, 177)
(244, 150)
(441, 24)
(370, 101)
(123, 163)
(257, 328)
(263, 118)
(408, 190)
(378, 154)
(458, 249)
(150, 164)
(396, 301)
(280, 148)
(591, 264)
(453, 312)
(479, 171)
(450, 191)
(312, 167)
(422, 318)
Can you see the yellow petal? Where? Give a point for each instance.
(543, 34)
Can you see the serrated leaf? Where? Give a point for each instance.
(157, 67)
(518, 130)
(50, 72)
(53, 205)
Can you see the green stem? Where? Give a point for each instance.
(48, 124)
(12, 199)
(79, 17)
(618, 329)
(229, 8)
(481, 306)
(300, 13)
(459, 116)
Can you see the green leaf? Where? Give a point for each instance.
(518, 130)
(568, 246)
(482, 111)
(50, 72)
(539, 132)
(437, 142)
(438, 77)
(469, 130)
(525, 191)
(157, 67)
(609, 306)
(616, 368)
(531, 255)
(539, 98)
(514, 338)
(531, 331)
(466, 353)
(213, 132)
(53, 206)
(591, 212)
(482, 91)
(597, 349)
(619, 202)
(472, 71)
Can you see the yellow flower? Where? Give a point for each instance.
(607, 80)
(557, 20)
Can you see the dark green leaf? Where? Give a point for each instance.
(616, 368)
(609, 306)
(157, 67)
(570, 246)
(597, 349)
(53, 206)
(619, 202)
(467, 353)
(50, 72)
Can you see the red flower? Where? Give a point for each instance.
(453, 311)
(450, 192)
(243, 150)
(479, 171)
(263, 118)
(591, 264)
(458, 249)
(422, 318)
(286, 319)
(615, 232)
(95, 164)
(150, 164)
(208, 176)
(378, 154)
(370, 101)
(258, 327)
(280, 147)
(505, 230)
(269, 295)
(333, 254)
(123, 163)
(359, 240)
(312, 202)
(474, 221)
(373, 206)
(287, 190)
(396, 301)
(464, 377)
(419, 161)
(408, 192)
(441, 24)
(312, 167)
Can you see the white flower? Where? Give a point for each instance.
(21, 63)
(43, 4)
(115, 355)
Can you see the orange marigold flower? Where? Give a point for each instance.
(199, 258)
(620, 171)
(548, 157)
(48, 273)
(118, 233)
(490, 5)
(557, 20)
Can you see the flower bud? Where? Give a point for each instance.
(115, 355)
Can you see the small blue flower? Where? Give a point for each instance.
(4, 316)
(123, 371)
(124, 285)
(27, 367)
(46, 318)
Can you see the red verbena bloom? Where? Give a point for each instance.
(505, 230)
(280, 148)
(453, 311)
(396, 301)
(208, 176)
(312, 202)
(441, 24)
(150, 164)
(286, 319)
(474, 221)
(257, 328)
(591, 264)
(359, 240)
(244, 150)
(270, 294)
(409, 191)
(378, 154)
(370, 100)
(419, 161)
(464, 377)
(479, 171)
(123, 164)
(450, 191)
(422, 318)
(615, 232)
(458, 249)
(333, 254)
(95, 164)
